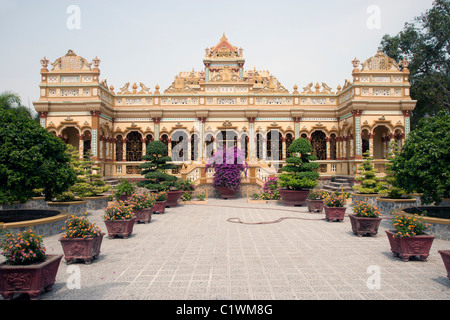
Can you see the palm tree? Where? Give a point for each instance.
(10, 100)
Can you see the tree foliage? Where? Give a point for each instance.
(425, 43)
(30, 158)
(300, 170)
(423, 165)
(156, 166)
(369, 182)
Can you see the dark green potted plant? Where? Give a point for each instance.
(155, 172)
(299, 175)
(370, 186)
(124, 190)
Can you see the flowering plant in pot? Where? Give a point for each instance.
(365, 219)
(228, 164)
(160, 202)
(270, 189)
(315, 200)
(409, 237)
(81, 239)
(124, 190)
(142, 206)
(27, 269)
(299, 175)
(119, 220)
(334, 206)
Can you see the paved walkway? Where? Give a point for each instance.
(192, 252)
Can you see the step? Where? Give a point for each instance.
(339, 184)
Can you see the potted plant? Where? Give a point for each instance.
(228, 164)
(370, 185)
(89, 185)
(409, 237)
(27, 269)
(119, 220)
(270, 189)
(445, 255)
(81, 239)
(366, 218)
(142, 206)
(160, 202)
(155, 172)
(334, 206)
(124, 190)
(299, 173)
(315, 200)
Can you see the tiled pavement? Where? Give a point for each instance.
(191, 252)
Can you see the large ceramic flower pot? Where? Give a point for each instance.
(294, 197)
(315, 205)
(226, 193)
(30, 279)
(445, 254)
(120, 228)
(86, 249)
(332, 213)
(364, 225)
(409, 247)
(159, 207)
(173, 197)
(143, 215)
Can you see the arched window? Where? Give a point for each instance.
(244, 144)
(319, 145)
(274, 145)
(333, 149)
(194, 147)
(134, 146)
(119, 148)
(180, 146)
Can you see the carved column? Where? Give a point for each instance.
(95, 119)
(144, 146)
(81, 146)
(252, 140)
(156, 122)
(356, 149)
(201, 142)
(297, 127)
(124, 146)
(43, 118)
(264, 148)
(283, 147)
(327, 139)
(371, 135)
(407, 119)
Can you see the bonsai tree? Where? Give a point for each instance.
(228, 163)
(300, 171)
(31, 158)
(423, 165)
(89, 183)
(370, 183)
(393, 191)
(155, 168)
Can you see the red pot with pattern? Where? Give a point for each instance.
(409, 247)
(85, 249)
(32, 279)
(120, 228)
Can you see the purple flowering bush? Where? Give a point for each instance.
(228, 163)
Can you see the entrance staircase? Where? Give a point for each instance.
(339, 184)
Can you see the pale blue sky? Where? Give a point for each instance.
(151, 41)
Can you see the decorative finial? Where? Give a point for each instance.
(355, 63)
(157, 89)
(295, 89)
(96, 61)
(44, 62)
(134, 87)
(111, 88)
(317, 88)
(404, 63)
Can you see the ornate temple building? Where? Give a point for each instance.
(226, 104)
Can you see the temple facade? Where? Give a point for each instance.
(225, 104)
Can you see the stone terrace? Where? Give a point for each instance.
(192, 252)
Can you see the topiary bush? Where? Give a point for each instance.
(155, 168)
(370, 183)
(300, 171)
